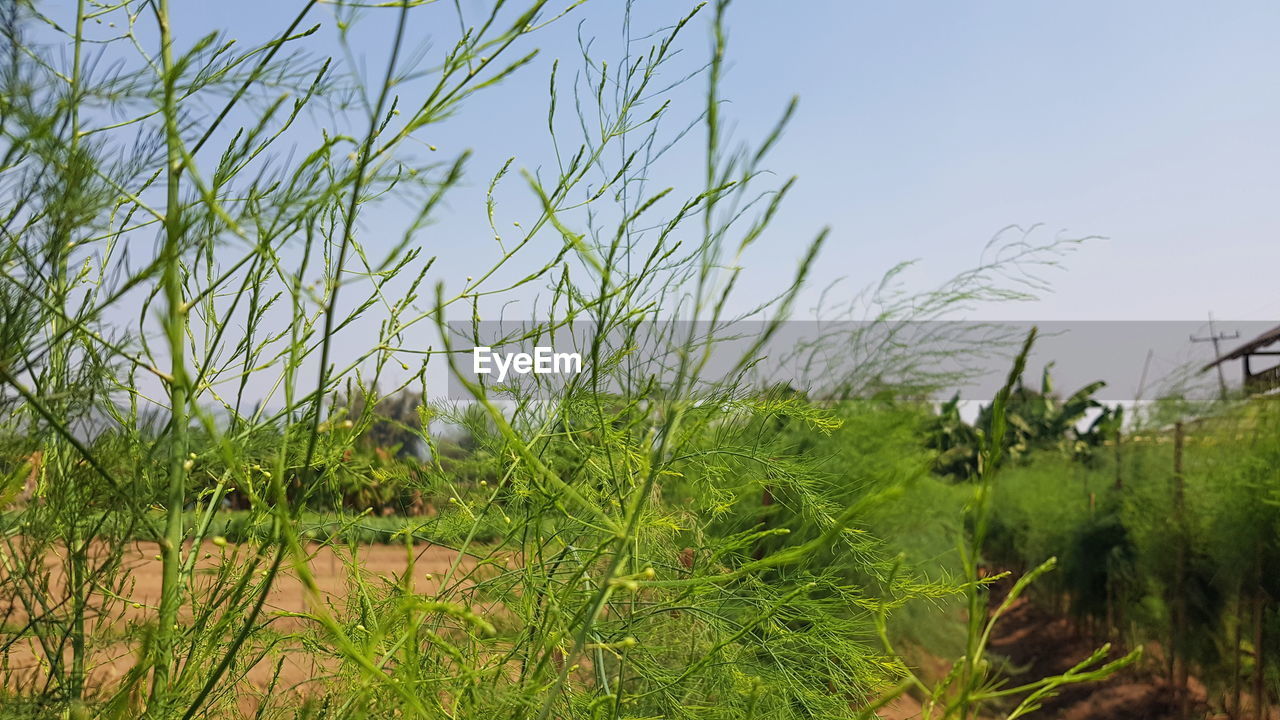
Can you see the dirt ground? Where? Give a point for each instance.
(379, 563)
(1040, 644)
(1033, 640)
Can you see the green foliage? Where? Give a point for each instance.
(640, 541)
(1037, 420)
(974, 684)
(579, 586)
(1182, 560)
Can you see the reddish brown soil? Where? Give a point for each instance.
(378, 564)
(1034, 641)
(1037, 643)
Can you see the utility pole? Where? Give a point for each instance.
(1215, 338)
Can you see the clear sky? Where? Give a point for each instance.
(925, 127)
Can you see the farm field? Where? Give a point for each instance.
(1029, 638)
(481, 361)
(287, 599)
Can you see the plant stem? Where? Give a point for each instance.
(174, 325)
(77, 546)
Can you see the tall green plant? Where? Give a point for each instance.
(974, 685)
(111, 143)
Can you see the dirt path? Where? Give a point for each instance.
(378, 564)
(1041, 644)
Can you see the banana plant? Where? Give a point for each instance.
(1034, 419)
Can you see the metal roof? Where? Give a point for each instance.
(1263, 340)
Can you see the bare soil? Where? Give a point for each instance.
(378, 563)
(1034, 641)
(1038, 643)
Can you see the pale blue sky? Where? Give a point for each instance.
(924, 127)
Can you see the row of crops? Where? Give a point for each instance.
(1168, 537)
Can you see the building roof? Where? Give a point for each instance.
(1254, 345)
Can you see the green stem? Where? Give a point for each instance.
(174, 326)
(77, 546)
